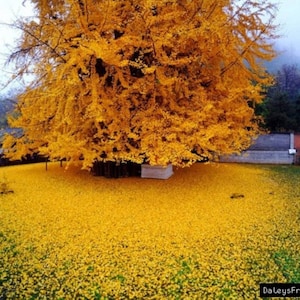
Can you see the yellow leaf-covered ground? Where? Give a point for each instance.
(212, 231)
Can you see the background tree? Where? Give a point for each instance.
(7, 102)
(287, 82)
(281, 107)
(166, 81)
(278, 114)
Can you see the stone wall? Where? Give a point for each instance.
(272, 142)
(266, 149)
(260, 157)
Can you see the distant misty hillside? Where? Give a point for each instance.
(285, 57)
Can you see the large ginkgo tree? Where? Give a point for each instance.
(157, 81)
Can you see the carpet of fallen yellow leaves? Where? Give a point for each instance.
(212, 231)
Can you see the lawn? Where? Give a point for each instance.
(211, 231)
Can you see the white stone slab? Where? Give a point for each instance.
(158, 172)
(292, 151)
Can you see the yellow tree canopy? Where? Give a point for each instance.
(168, 81)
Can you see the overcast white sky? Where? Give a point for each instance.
(288, 17)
